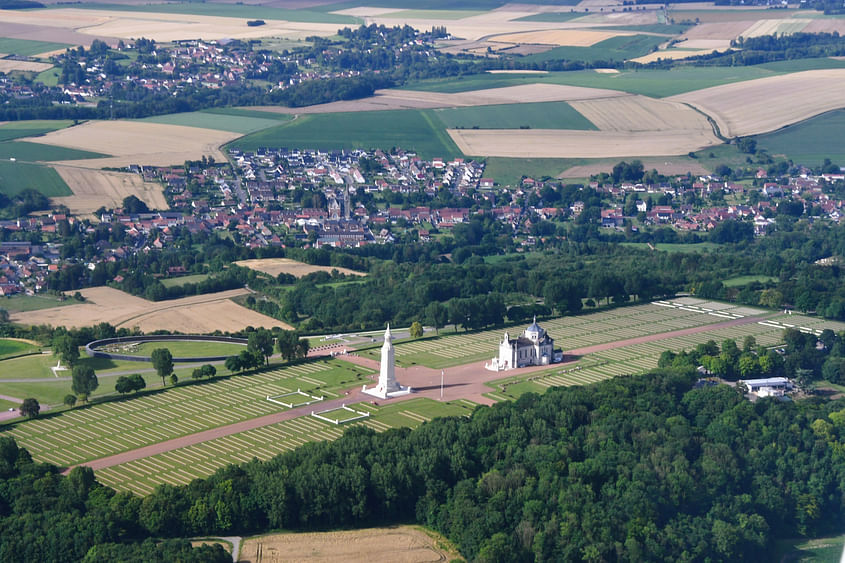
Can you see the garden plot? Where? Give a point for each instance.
(109, 428)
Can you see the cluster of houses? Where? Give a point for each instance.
(24, 266)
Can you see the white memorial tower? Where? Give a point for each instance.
(387, 386)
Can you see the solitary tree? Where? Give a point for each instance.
(30, 408)
(84, 381)
(4, 316)
(70, 400)
(66, 349)
(162, 362)
(416, 329)
(137, 382)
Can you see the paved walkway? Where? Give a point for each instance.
(461, 382)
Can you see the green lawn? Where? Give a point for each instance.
(509, 171)
(182, 280)
(187, 349)
(27, 48)
(234, 122)
(651, 82)
(18, 176)
(818, 550)
(546, 115)
(22, 303)
(619, 48)
(37, 152)
(412, 130)
(49, 77)
(810, 141)
(15, 347)
(18, 129)
(745, 280)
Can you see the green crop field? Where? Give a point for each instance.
(19, 129)
(15, 347)
(435, 14)
(18, 176)
(180, 281)
(37, 152)
(236, 123)
(655, 83)
(22, 303)
(798, 65)
(108, 428)
(552, 17)
(509, 171)
(810, 141)
(182, 465)
(666, 29)
(184, 349)
(27, 48)
(229, 11)
(544, 115)
(412, 130)
(619, 48)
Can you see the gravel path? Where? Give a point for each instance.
(461, 382)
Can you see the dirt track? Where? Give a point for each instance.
(461, 382)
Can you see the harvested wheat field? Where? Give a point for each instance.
(162, 26)
(8, 65)
(559, 37)
(671, 54)
(402, 544)
(276, 266)
(641, 113)
(767, 104)
(95, 188)
(195, 314)
(715, 31)
(136, 142)
(559, 143)
(412, 99)
(776, 27)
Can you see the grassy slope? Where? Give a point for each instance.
(37, 152)
(811, 141)
(18, 176)
(549, 115)
(237, 123)
(618, 48)
(23, 303)
(409, 129)
(26, 47)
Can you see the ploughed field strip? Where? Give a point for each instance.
(180, 466)
(105, 429)
(578, 332)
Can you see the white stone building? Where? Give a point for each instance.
(533, 348)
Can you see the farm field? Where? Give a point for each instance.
(409, 129)
(569, 333)
(162, 26)
(560, 143)
(548, 115)
(759, 106)
(181, 465)
(230, 11)
(276, 266)
(744, 280)
(619, 47)
(28, 47)
(18, 176)
(17, 129)
(36, 152)
(195, 314)
(218, 121)
(810, 141)
(95, 188)
(21, 303)
(402, 543)
(15, 347)
(83, 434)
(182, 280)
(133, 142)
(10, 65)
(667, 165)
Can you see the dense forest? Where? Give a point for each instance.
(647, 468)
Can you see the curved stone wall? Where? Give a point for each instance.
(91, 347)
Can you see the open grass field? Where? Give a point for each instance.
(234, 123)
(509, 171)
(182, 465)
(36, 152)
(549, 115)
(616, 48)
(11, 347)
(22, 303)
(182, 349)
(95, 188)
(411, 130)
(667, 165)
(182, 280)
(403, 544)
(810, 141)
(677, 247)
(104, 429)
(745, 280)
(163, 26)
(18, 176)
(189, 315)
(27, 47)
(17, 129)
(134, 142)
(817, 550)
(767, 104)
(276, 266)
